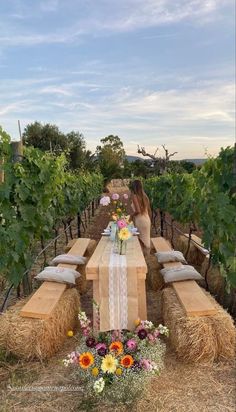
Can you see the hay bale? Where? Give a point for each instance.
(195, 256)
(31, 338)
(81, 282)
(154, 278)
(200, 338)
(214, 278)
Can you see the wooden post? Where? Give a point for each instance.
(17, 151)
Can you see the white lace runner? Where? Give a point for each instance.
(118, 300)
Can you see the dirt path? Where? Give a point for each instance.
(180, 388)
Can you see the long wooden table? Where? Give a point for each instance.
(135, 259)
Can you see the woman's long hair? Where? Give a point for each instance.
(136, 188)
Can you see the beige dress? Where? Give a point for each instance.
(143, 223)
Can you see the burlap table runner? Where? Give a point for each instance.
(117, 289)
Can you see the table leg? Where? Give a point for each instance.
(142, 304)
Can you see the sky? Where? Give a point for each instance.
(152, 72)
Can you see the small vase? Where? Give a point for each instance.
(122, 247)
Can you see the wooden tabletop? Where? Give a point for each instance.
(134, 257)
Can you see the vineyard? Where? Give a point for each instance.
(205, 199)
(37, 196)
(40, 198)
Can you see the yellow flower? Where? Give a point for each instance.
(124, 234)
(119, 372)
(95, 371)
(70, 333)
(118, 210)
(137, 322)
(86, 359)
(109, 364)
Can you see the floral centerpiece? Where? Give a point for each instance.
(120, 231)
(117, 365)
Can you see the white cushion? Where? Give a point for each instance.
(180, 273)
(57, 274)
(170, 256)
(70, 259)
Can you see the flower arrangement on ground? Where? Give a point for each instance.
(117, 365)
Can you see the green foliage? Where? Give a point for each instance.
(110, 157)
(49, 138)
(34, 198)
(207, 198)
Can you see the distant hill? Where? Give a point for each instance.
(195, 161)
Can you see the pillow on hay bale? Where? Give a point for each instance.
(170, 256)
(57, 274)
(70, 259)
(180, 273)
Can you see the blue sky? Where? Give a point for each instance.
(152, 72)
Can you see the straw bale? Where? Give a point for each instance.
(201, 338)
(214, 278)
(31, 338)
(154, 278)
(195, 256)
(81, 282)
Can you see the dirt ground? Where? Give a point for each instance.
(180, 388)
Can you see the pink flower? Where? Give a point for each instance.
(131, 344)
(156, 333)
(121, 224)
(115, 196)
(101, 346)
(151, 338)
(86, 331)
(125, 196)
(105, 201)
(146, 364)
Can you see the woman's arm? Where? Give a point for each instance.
(136, 205)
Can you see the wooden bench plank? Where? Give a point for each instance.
(193, 299)
(44, 300)
(162, 245)
(199, 245)
(190, 295)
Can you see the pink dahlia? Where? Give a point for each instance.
(121, 223)
(115, 196)
(125, 196)
(131, 344)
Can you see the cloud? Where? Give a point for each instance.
(104, 17)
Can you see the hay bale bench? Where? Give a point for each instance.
(200, 329)
(37, 328)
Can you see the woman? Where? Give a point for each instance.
(141, 213)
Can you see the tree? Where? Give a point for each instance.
(49, 138)
(110, 156)
(160, 164)
(45, 137)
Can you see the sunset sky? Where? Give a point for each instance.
(152, 72)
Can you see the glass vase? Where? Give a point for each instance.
(122, 247)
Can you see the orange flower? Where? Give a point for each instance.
(117, 347)
(127, 361)
(86, 359)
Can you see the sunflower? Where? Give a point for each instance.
(109, 364)
(127, 361)
(86, 359)
(117, 347)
